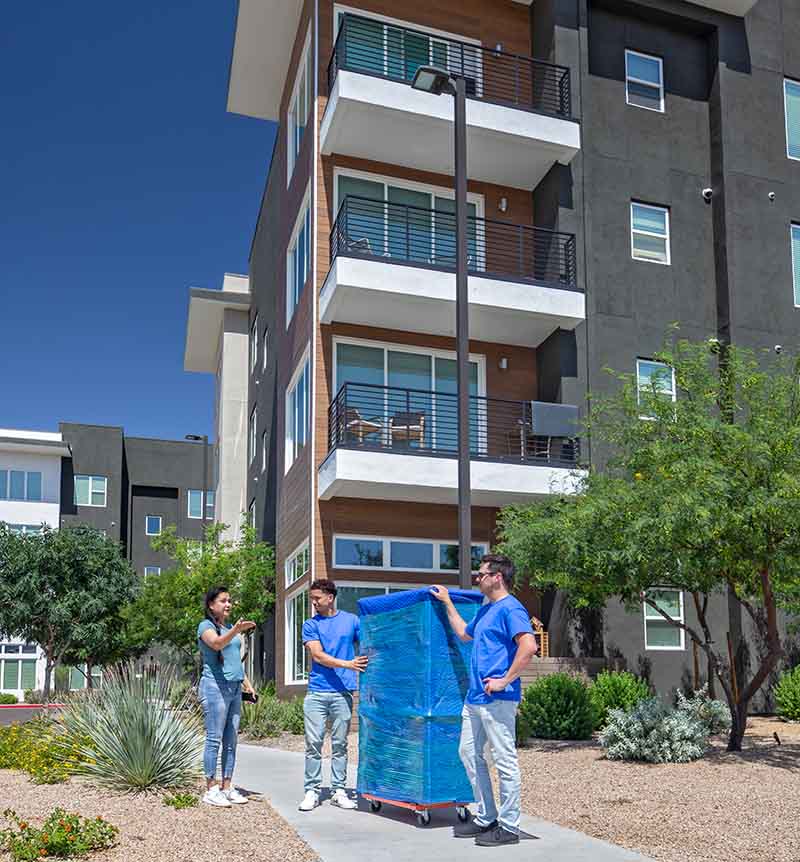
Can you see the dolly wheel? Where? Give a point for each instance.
(463, 813)
(374, 805)
(423, 818)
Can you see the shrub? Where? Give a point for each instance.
(787, 695)
(616, 690)
(179, 801)
(714, 714)
(39, 748)
(523, 729)
(62, 835)
(654, 733)
(266, 718)
(8, 699)
(294, 718)
(128, 736)
(558, 707)
(32, 696)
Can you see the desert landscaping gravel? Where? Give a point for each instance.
(152, 832)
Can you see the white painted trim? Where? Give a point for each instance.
(792, 228)
(386, 541)
(658, 618)
(340, 8)
(673, 393)
(252, 346)
(91, 489)
(146, 525)
(304, 545)
(288, 640)
(291, 156)
(662, 102)
(303, 212)
(658, 208)
(149, 571)
(252, 434)
(786, 117)
(312, 386)
(288, 454)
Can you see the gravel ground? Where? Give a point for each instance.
(724, 808)
(152, 832)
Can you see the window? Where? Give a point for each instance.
(211, 505)
(644, 81)
(91, 490)
(264, 346)
(795, 242)
(77, 677)
(302, 100)
(264, 451)
(650, 233)
(297, 413)
(25, 529)
(791, 102)
(17, 674)
(296, 566)
(658, 633)
(653, 380)
(152, 570)
(20, 485)
(251, 437)
(347, 595)
(298, 263)
(254, 344)
(251, 513)
(195, 504)
(410, 555)
(297, 612)
(152, 525)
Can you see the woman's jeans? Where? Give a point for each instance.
(320, 707)
(222, 705)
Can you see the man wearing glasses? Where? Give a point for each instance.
(503, 647)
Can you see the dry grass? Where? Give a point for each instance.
(152, 832)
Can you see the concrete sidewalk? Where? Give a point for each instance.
(392, 834)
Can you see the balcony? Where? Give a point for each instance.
(519, 119)
(393, 265)
(387, 443)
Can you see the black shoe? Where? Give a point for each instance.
(471, 829)
(497, 837)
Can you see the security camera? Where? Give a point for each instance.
(778, 348)
(771, 196)
(707, 195)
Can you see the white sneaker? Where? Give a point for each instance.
(310, 801)
(342, 800)
(215, 796)
(234, 797)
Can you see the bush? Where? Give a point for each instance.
(787, 695)
(62, 835)
(8, 699)
(128, 736)
(714, 714)
(523, 729)
(616, 690)
(32, 696)
(295, 719)
(654, 733)
(558, 707)
(270, 716)
(179, 801)
(38, 748)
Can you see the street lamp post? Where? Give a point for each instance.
(431, 79)
(197, 438)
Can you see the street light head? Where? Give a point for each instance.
(432, 79)
(196, 438)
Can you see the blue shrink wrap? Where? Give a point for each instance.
(411, 697)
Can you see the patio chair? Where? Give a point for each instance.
(359, 246)
(409, 427)
(542, 636)
(357, 425)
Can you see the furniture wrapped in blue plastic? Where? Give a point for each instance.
(411, 697)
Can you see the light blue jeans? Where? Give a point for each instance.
(222, 707)
(494, 723)
(318, 708)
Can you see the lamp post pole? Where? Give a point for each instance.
(204, 495)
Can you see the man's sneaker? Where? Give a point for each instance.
(310, 801)
(342, 800)
(234, 797)
(215, 796)
(497, 838)
(471, 829)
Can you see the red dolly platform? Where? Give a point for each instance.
(422, 809)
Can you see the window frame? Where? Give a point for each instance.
(657, 617)
(252, 434)
(303, 548)
(387, 548)
(304, 221)
(305, 67)
(147, 525)
(26, 497)
(264, 348)
(666, 238)
(264, 450)
(291, 449)
(662, 100)
(786, 83)
(91, 479)
(150, 571)
(291, 632)
(795, 226)
(254, 344)
(673, 393)
(251, 513)
(204, 504)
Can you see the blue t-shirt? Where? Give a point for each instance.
(232, 670)
(493, 652)
(338, 635)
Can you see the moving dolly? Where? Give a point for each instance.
(422, 809)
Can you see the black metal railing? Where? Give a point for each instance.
(386, 50)
(419, 422)
(427, 237)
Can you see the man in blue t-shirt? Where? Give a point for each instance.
(330, 637)
(503, 646)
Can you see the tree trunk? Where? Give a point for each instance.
(48, 674)
(89, 683)
(738, 726)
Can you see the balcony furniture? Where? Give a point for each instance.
(356, 425)
(542, 636)
(359, 246)
(408, 427)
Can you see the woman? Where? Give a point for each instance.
(220, 693)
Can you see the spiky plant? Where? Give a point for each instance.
(129, 735)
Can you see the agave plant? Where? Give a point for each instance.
(130, 737)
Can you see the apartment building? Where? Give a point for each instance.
(631, 163)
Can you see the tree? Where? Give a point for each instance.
(64, 590)
(171, 603)
(701, 494)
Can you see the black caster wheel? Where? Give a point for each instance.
(374, 805)
(463, 814)
(423, 818)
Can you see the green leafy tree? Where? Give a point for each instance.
(171, 603)
(701, 494)
(65, 590)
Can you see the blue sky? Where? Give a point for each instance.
(123, 182)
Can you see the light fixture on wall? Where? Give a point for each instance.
(503, 363)
(503, 205)
(498, 48)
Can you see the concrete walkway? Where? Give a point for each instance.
(392, 834)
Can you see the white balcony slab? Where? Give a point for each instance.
(372, 475)
(388, 121)
(415, 299)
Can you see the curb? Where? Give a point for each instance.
(31, 706)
